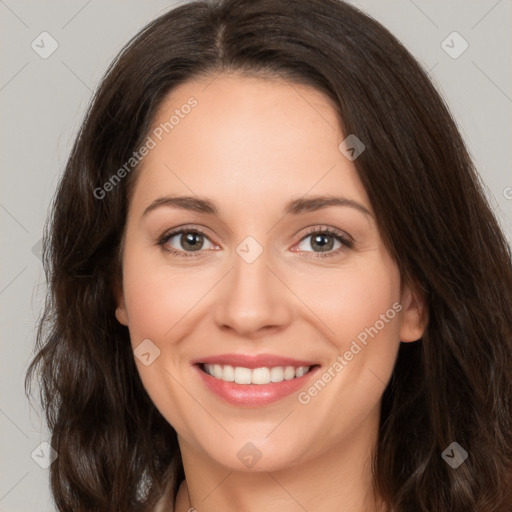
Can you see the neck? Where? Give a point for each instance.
(340, 479)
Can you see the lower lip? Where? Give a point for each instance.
(254, 395)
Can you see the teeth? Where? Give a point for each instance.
(217, 371)
(242, 375)
(228, 373)
(260, 376)
(289, 373)
(263, 375)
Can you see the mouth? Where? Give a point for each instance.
(254, 381)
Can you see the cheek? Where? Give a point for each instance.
(358, 309)
(158, 298)
(352, 298)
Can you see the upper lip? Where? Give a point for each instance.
(253, 361)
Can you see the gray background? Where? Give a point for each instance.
(42, 102)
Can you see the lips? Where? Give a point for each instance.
(254, 380)
(255, 361)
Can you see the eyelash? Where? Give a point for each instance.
(343, 239)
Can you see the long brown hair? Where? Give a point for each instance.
(115, 450)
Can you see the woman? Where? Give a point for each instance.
(275, 282)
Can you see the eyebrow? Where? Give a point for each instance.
(293, 207)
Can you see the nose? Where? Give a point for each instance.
(253, 299)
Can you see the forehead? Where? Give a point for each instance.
(248, 138)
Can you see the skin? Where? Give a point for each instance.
(251, 145)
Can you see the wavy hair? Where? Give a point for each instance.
(116, 452)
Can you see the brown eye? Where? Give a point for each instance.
(185, 242)
(191, 241)
(324, 242)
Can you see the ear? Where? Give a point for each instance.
(414, 315)
(121, 313)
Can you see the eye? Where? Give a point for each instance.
(323, 240)
(185, 242)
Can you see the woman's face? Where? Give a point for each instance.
(254, 281)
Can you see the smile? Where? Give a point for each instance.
(259, 376)
(253, 380)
